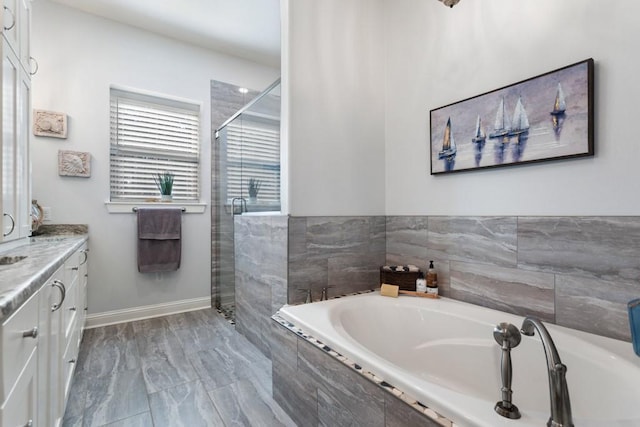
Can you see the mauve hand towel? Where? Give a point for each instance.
(159, 240)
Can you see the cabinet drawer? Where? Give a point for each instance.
(20, 408)
(69, 361)
(16, 347)
(70, 310)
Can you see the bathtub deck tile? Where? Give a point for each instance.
(399, 414)
(331, 412)
(293, 390)
(284, 345)
(364, 399)
(290, 385)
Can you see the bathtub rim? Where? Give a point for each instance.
(439, 404)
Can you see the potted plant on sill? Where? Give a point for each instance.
(254, 188)
(164, 181)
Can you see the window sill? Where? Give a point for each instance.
(127, 207)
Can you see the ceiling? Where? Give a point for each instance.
(248, 29)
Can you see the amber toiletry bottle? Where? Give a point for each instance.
(432, 279)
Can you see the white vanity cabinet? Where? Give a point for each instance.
(16, 105)
(62, 322)
(20, 336)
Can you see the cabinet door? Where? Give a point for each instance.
(10, 20)
(20, 408)
(50, 350)
(23, 178)
(16, 95)
(24, 36)
(10, 68)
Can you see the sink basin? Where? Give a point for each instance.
(8, 260)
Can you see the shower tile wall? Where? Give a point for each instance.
(578, 272)
(261, 275)
(226, 100)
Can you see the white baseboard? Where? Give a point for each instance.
(146, 312)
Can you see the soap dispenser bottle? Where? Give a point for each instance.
(432, 279)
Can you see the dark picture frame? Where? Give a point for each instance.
(547, 117)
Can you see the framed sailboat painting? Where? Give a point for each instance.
(547, 117)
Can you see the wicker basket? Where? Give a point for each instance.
(405, 279)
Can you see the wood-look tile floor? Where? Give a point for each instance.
(188, 369)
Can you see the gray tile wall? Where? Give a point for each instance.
(261, 274)
(316, 389)
(342, 253)
(574, 271)
(577, 272)
(276, 255)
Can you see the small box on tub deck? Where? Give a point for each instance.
(404, 276)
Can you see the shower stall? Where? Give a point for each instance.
(246, 181)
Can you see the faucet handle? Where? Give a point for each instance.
(309, 295)
(507, 335)
(325, 290)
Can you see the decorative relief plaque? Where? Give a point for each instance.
(74, 163)
(49, 123)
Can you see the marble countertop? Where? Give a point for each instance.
(44, 255)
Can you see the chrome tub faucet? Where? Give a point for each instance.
(558, 390)
(507, 336)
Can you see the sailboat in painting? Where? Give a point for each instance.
(448, 144)
(559, 105)
(501, 126)
(520, 123)
(479, 139)
(479, 135)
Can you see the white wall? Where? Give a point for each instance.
(436, 56)
(80, 55)
(333, 81)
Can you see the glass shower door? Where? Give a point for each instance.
(248, 173)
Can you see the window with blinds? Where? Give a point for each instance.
(151, 135)
(253, 152)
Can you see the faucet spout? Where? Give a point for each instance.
(558, 390)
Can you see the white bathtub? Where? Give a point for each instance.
(442, 353)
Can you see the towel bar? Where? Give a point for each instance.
(135, 209)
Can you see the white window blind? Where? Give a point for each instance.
(253, 151)
(151, 135)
